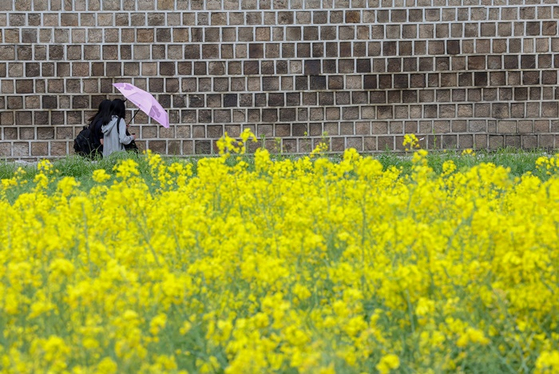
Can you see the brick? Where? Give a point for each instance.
(276, 99)
(528, 61)
(10, 133)
(401, 81)
(500, 110)
(549, 28)
(476, 62)
(287, 114)
(281, 67)
(303, 50)
(299, 129)
(525, 127)
(312, 67)
(480, 79)
(317, 50)
(317, 82)
(20, 149)
(410, 65)
(293, 99)
(286, 18)
(541, 126)
(386, 143)
(506, 127)
(529, 141)
(389, 48)
(546, 141)
(448, 80)
(282, 130)
(549, 109)
(488, 29)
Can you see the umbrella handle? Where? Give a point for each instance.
(131, 119)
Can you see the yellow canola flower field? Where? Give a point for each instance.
(291, 266)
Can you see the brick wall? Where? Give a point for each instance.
(357, 73)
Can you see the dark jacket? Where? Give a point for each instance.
(95, 135)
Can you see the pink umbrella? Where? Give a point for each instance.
(145, 101)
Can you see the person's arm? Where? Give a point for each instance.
(124, 139)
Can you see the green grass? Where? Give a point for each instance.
(519, 163)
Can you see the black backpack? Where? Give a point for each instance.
(82, 144)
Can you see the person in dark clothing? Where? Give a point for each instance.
(101, 118)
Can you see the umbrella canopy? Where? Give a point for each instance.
(144, 101)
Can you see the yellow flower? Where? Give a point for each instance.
(126, 168)
(410, 142)
(107, 366)
(157, 323)
(472, 335)
(387, 363)
(548, 362)
(100, 176)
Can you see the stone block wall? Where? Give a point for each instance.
(354, 73)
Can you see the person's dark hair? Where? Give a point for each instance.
(118, 108)
(103, 113)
